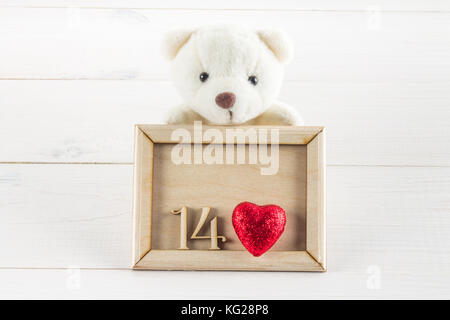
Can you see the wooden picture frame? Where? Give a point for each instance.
(151, 138)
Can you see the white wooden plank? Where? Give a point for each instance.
(124, 284)
(342, 5)
(77, 121)
(379, 124)
(68, 43)
(387, 238)
(92, 121)
(62, 215)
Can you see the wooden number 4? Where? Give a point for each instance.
(183, 229)
(213, 236)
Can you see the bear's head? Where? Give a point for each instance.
(227, 74)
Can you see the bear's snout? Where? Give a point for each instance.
(225, 100)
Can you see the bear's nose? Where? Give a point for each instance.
(225, 100)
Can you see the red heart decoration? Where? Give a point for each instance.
(258, 227)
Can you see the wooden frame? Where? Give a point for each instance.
(313, 258)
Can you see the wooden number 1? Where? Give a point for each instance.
(183, 229)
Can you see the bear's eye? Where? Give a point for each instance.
(204, 76)
(253, 80)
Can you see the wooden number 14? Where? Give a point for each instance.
(183, 229)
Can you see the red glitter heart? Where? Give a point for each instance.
(258, 227)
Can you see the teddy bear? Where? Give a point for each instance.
(229, 75)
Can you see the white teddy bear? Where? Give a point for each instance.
(229, 75)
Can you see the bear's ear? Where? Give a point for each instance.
(174, 40)
(278, 43)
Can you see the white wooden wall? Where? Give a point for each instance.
(76, 75)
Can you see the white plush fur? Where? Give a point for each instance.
(230, 55)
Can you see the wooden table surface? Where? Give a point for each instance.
(76, 75)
